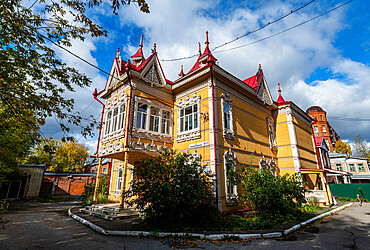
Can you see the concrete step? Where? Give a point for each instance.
(109, 213)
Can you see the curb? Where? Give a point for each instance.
(273, 235)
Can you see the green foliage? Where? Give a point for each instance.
(173, 191)
(33, 80)
(342, 147)
(61, 156)
(313, 201)
(268, 195)
(258, 223)
(3, 208)
(361, 147)
(88, 194)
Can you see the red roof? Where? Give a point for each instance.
(251, 82)
(139, 53)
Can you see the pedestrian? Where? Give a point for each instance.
(359, 199)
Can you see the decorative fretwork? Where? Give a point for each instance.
(152, 75)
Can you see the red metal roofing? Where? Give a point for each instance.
(139, 53)
(318, 140)
(251, 82)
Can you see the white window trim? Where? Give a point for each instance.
(230, 157)
(147, 125)
(195, 132)
(227, 132)
(271, 133)
(116, 190)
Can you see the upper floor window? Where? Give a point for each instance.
(108, 122)
(165, 122)
(189, 118)
(339, 166)
(154, 119)
(121, 116)
(321, 118)
(316, 130)
(141, 114)
(324, 129)
(352, 168)
(227, 116)
(361, 167)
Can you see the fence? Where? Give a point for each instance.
(350, 190)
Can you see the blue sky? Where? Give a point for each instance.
(324, 62)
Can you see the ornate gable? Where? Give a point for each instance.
(263, 92)
(153, 73)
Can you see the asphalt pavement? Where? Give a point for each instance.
(34, 225)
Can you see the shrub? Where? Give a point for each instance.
(173, 190)
(88, 194)
(269, 195)
(313, 201)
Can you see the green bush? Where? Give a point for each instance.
(88, 194)
(173, 191)
(268, 195)
(3, 208)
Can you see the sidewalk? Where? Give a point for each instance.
(132, 226)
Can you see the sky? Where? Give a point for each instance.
(324, 62)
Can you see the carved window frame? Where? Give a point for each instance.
(195, 132)
(227, 100)
(271, 128)
(119, 180)
(116, 101)
(230, 159)
(161, 108)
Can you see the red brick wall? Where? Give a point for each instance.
(64, 185)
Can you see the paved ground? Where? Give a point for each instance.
(32, 225)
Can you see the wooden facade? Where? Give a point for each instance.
(207, 112)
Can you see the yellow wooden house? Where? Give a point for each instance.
(207, 112)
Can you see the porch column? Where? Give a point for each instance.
(97, 182)
(326, 190)
(123, 187)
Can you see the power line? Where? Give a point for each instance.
(32, 4)
(348, 118)
(283, 31)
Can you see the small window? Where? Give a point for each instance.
(316, 129)
(93, 171)
(142, 110)
(104, 170)
(227, 116)
(108, 122)
(324, 129)
(154, 119)
(361, 167)
(119, 180)
(339, 167)
(352, 168)
(189, 118)
(121, 118)
(165, 122)
(321, 118)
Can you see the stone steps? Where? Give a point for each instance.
(109, 212)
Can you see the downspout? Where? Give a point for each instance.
(214, 130)
(95, 94)
(109, 174)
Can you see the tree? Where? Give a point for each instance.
(32, 78)
(268, 195)
(69, 156)
(361, 147)
(173, 191)
(342, 147)
(43, 152)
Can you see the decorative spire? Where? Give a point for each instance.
(155, 48)
(181, 74)
(200, 49)
(118, 53)
(259, 67)
(141, 41)
(280, 100)
(207, 42)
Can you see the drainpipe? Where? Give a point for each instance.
(95, 94)
(214, 128)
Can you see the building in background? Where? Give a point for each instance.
(322, 127)
(93, 163)
(209, 113)
(358, 167)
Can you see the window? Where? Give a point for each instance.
(352, 168)
(104, 170)
(121, 118)
(361, 167)
(119, 180)
(141, 115)
(154, 119)
(321, 118)
(339, 166)
(229, 182)
(316, 129)
(165, 122)
(114, 120)
(227, 115)
(271, 132)
(324, 129)
(230, 186)
(93, 171)
(189, 118)
(108, 122)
